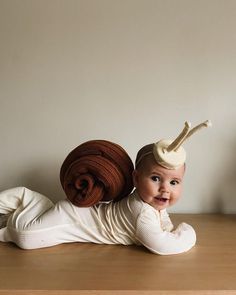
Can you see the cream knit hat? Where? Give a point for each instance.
(170, 153)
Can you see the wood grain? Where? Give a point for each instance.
(209, 268)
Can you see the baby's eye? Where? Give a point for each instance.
(155, 178)
(174, 182)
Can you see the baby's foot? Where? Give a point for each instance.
(3, 220)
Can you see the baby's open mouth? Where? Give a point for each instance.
(161, 199)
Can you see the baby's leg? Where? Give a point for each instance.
(35, 222)
(23, 208)
(23, 205)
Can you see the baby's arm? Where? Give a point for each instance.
(162, 242)
(166, 222)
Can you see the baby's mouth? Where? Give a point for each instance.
(162, 199)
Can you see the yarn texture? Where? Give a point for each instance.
(96, 171)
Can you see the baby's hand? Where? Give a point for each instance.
(186, 232)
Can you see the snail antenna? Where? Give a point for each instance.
(180, 138)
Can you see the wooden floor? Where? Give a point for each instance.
(209, 268)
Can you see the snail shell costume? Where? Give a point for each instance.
(95, 171)
(35, 222)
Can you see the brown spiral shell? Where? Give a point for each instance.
(95, 171)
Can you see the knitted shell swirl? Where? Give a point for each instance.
(95, 171)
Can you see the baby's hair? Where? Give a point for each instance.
(143, 152)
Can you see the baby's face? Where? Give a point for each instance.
(156, 185)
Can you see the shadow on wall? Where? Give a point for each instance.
(40, 177)
(227, 195)
(44, 180)
(226, 188)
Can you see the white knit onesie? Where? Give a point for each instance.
(35, 222)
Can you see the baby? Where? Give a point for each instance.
(140, 218)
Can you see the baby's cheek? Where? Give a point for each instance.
(174, 199)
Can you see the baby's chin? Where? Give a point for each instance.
(159, 207)
(162, 203)
(159, 204)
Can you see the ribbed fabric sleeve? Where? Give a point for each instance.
(158, 241)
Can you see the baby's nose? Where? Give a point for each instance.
(164, 187)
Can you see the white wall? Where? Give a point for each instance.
(129, 71)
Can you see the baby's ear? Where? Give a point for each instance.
(135, 177)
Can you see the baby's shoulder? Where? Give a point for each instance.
(138, 207)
